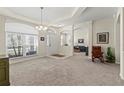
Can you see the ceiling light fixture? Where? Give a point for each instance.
(41, 27)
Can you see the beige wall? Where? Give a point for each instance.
(2, 36)
(104, 25)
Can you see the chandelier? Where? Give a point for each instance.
(41, 27)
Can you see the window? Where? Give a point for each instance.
(21, 44)
(31, 44)
(14, 45)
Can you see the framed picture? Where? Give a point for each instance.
(42, 38)
(103, 38)
(80, 40)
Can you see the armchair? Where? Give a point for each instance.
(97, 53)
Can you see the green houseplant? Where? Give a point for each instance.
(110, 56)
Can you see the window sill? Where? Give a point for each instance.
(22, 59)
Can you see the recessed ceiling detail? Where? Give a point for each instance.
(61, 15)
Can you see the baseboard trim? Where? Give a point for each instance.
(5, 84)
(117, 62)
(18, 60)
(122, 77)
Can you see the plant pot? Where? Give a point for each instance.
(110, 61)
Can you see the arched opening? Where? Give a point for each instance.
(52, 42)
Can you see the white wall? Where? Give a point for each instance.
(81, 32)
(42, 44)
(2, 36)
(104, 25)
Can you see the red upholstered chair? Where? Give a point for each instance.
(97, 53)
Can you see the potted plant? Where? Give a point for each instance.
(110, 56)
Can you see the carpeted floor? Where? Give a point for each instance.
(74, 71)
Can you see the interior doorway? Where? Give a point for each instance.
(81, 40)
(52, 43)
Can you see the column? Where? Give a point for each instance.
(117, 37)
(2, 36)
(90, 38)
(73, 37)
(122, 43)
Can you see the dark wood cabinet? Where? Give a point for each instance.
(4, 71)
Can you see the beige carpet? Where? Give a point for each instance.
(76, 70)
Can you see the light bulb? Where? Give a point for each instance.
(37, 27)
(45, 28)
(41, 26)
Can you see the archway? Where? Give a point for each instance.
(52, 42)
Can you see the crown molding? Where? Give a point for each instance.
(7, 13)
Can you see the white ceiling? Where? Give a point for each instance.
(92, 13)
(64, 15)
(50, 14)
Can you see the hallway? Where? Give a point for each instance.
(76, 70)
